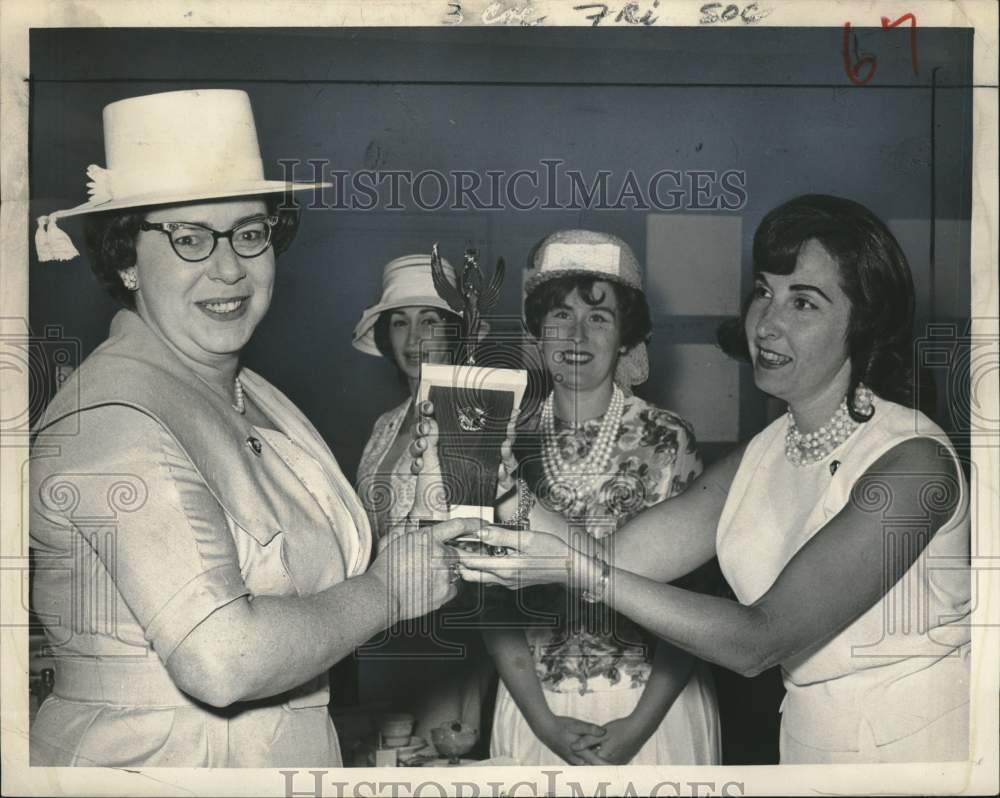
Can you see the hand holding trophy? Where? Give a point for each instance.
(473, 405)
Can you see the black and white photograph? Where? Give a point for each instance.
(499, 397)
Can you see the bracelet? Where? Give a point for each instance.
(594, 597)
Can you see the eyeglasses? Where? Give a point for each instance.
(195, 242)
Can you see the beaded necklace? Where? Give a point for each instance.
(806, 448)
(581, 477)
(240, 405)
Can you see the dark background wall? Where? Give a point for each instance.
(774, 103)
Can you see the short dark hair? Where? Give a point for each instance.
(874, 275)
(453, 332)
(633, 311)
(111, 237)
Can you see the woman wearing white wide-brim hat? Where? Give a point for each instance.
(843, 527)
(409, 325)
(201, 557)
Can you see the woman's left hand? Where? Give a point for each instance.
(424, 437)
(425, 440)
(537, 558)
(621, 741)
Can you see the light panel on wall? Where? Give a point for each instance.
(693, 264)
(701, 384)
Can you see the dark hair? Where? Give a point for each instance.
(111, 236)
(633, 311)
(452, 332)
(874, 275)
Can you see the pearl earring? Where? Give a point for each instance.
(129, 279)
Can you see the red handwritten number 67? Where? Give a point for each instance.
(854, 68)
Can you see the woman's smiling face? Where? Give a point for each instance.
(581, 341)
(796, 328)
(205, 311)
(413, 339)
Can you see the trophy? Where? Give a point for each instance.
(473, 405)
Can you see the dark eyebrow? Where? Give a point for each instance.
(761, 277)
(605, 308)
(812, 288)
(564, 306)
(237, 223)
(249, 218)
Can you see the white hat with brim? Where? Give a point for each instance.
(169, 148)
(406, 282)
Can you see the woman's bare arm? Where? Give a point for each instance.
(839, 574)
(256, 647)
(674, 537)
(516, 666)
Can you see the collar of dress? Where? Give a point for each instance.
(134, 368)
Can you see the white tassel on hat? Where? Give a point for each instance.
(51, 243)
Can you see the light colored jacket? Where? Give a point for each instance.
(153, 504)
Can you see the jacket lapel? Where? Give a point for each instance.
(135, 369)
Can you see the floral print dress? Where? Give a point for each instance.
(593, 664)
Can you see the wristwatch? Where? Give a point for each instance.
(599, 594)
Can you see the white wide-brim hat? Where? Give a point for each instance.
(167, 148)
(406, 282)
(603, 256)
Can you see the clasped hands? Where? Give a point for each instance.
(579, 742)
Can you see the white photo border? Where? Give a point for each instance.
(979, 776)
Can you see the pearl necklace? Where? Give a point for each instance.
(239, 399)
(803, 449)
(240, 405)
(580, 478)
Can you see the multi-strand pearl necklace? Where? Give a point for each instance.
(806, 448)
(580, 477)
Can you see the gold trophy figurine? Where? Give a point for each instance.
(468, 297)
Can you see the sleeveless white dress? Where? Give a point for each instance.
(893, 686)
